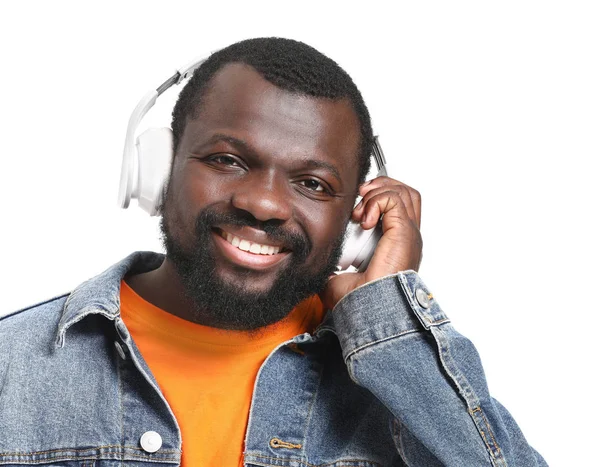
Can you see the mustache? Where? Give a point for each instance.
(299, 244)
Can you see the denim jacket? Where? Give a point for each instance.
(385, 380)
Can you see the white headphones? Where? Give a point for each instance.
(147, 163)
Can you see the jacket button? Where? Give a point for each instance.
(422, 297)
(151, 441)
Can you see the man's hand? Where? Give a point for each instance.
(400, 247)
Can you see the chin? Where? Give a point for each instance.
(247, 281)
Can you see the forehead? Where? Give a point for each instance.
(275, 121)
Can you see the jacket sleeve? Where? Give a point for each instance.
(398, 343)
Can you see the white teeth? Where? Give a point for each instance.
(246, 245)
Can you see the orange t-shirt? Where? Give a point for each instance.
(207, 374)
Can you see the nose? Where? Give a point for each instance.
(265, 196)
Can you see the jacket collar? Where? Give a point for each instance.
(101, 294)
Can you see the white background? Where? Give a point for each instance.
(490, 110)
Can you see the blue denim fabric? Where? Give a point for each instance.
(382, 382)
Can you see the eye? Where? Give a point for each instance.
(313, 185)
(225, 159)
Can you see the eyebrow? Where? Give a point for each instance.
(312, 163)
(241, 144)
(218, 137)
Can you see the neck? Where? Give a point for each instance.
(163, 288)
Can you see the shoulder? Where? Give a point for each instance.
(34, 323)
(39, 310)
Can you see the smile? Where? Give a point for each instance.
(246, 245)
(246, 253)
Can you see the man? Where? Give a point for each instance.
(239, 346)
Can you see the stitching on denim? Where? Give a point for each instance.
(61, 337)
(152, 382)
(438, 322)
(312, 404)
(342, 463)
(61, 458)
(129, 457)
(95, 448)
(120, 362)
(168, 460)
(150, 458)
(277, 443)
(256, 381)
(416, 308)
(362, 347)
(483, 433)
(409, 294)
(58, 450)
(491, 433)
(465, 390)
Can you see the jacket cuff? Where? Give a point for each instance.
(383, 309)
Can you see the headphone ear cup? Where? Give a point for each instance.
(359, 246)
(155, 154)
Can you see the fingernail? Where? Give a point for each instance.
(364, 218)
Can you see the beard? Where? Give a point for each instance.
(232, 306)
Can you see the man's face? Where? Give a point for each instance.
(264, 170)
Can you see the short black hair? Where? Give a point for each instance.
(288, 64)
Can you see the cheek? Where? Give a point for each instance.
(325, 227)
(184, 201)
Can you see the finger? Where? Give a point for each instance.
(389, 204)
(390, 191)
(376, 183)
(400, 190)
(387, 181)
(416, 203)
(379, 182)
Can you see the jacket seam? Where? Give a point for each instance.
(478, 409)
(120, 378)
(340, 463)
(36, 305)
(379, 341)
(310, 410)
(49, 451)
(88, 458)
(469, 397)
